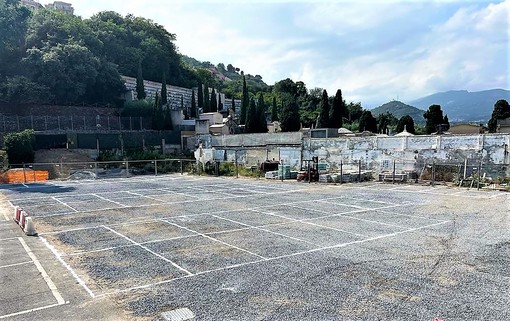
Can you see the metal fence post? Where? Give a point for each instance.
(341, 172)
(359, 171)
(433, 173)
(182, 169)
(155, 167)
(393, 179)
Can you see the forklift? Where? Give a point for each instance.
(309, 170)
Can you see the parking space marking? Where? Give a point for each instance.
(65, 204)
(149, 250)
(260, 228)
(108, 200)
(353, 217)
(67, 266)
(306, 221)
(45, 276)
(15, 264)
(145, 286)
(31, 310)
(216, 240)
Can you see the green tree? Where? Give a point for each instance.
(164, 94)
(252, 118)
(21, 90)
(213, 101)
(68, 70)
(446, 123)
(201, 97)
(434, 118)
(289, 116)
(140, 88)
(338, 111)
(386, 121)
(20, 146)
(406, 122)
(501, 111)
(207, 101)
(13, 26)
(274, 110)
(244, 102)
(167, 117)
(354, 111)
(367, 122)
(158, 117)
(261, 113)
(323, 121)
(193, 112)
(233, 105)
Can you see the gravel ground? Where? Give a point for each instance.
(232, 249)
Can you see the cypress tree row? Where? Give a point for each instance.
(290, 115)
(261, 115)
(233, 105)
(251, 118)
(207, 102)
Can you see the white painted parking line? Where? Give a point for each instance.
(149, 250)
(15, 264)
(31, 310)
(216, 240)
(146, 286)
(9, 238)
(266, 230)
(108, 200)
(65, 204)
(45, 275)
(67, 266)
(7, 218)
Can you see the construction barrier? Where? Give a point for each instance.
(23, 175)
(24, 221)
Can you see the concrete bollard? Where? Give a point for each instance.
(29, 227)
(22, 220)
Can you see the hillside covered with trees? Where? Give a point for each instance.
(49, 57)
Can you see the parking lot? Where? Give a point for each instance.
(235, 249)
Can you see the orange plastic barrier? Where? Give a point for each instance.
(26, 176)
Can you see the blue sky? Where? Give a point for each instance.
(375, 51)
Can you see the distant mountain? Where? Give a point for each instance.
(464, 106)
(399, 109)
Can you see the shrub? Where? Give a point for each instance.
(20, 146)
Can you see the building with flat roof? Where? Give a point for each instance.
(61, 6)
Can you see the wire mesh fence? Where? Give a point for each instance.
(73, 123)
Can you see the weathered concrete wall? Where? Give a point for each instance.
(374, 152)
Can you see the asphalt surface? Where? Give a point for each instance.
(235, 249)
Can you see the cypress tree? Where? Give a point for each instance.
(434, 117)
(274, 112)
(220, 104)
(324, 111)
(167, 119)
(213, 102)
(233, 105)
(338, 110)
(207, 103)
(367, 122)
(406, 122)
(140, 89)
(289, 116)
(164, 98)
(261, 113)
(193, 112)
(201, 97)
(244, 102)
(501, 111)
(251, 118)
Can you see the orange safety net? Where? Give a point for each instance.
(23, 176)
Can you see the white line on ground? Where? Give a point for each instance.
(307, 221)
(149, 250)
(45, 275)
(266, 230)
(9, 239)
(15, 264)
(145, 286)
(354, 218)
(67, 266)
(108, 200)
(216, 240)
(65, 204)
(25, 185)
(7, 218)
(31, 310)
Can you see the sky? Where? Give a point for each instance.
(374, 51)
